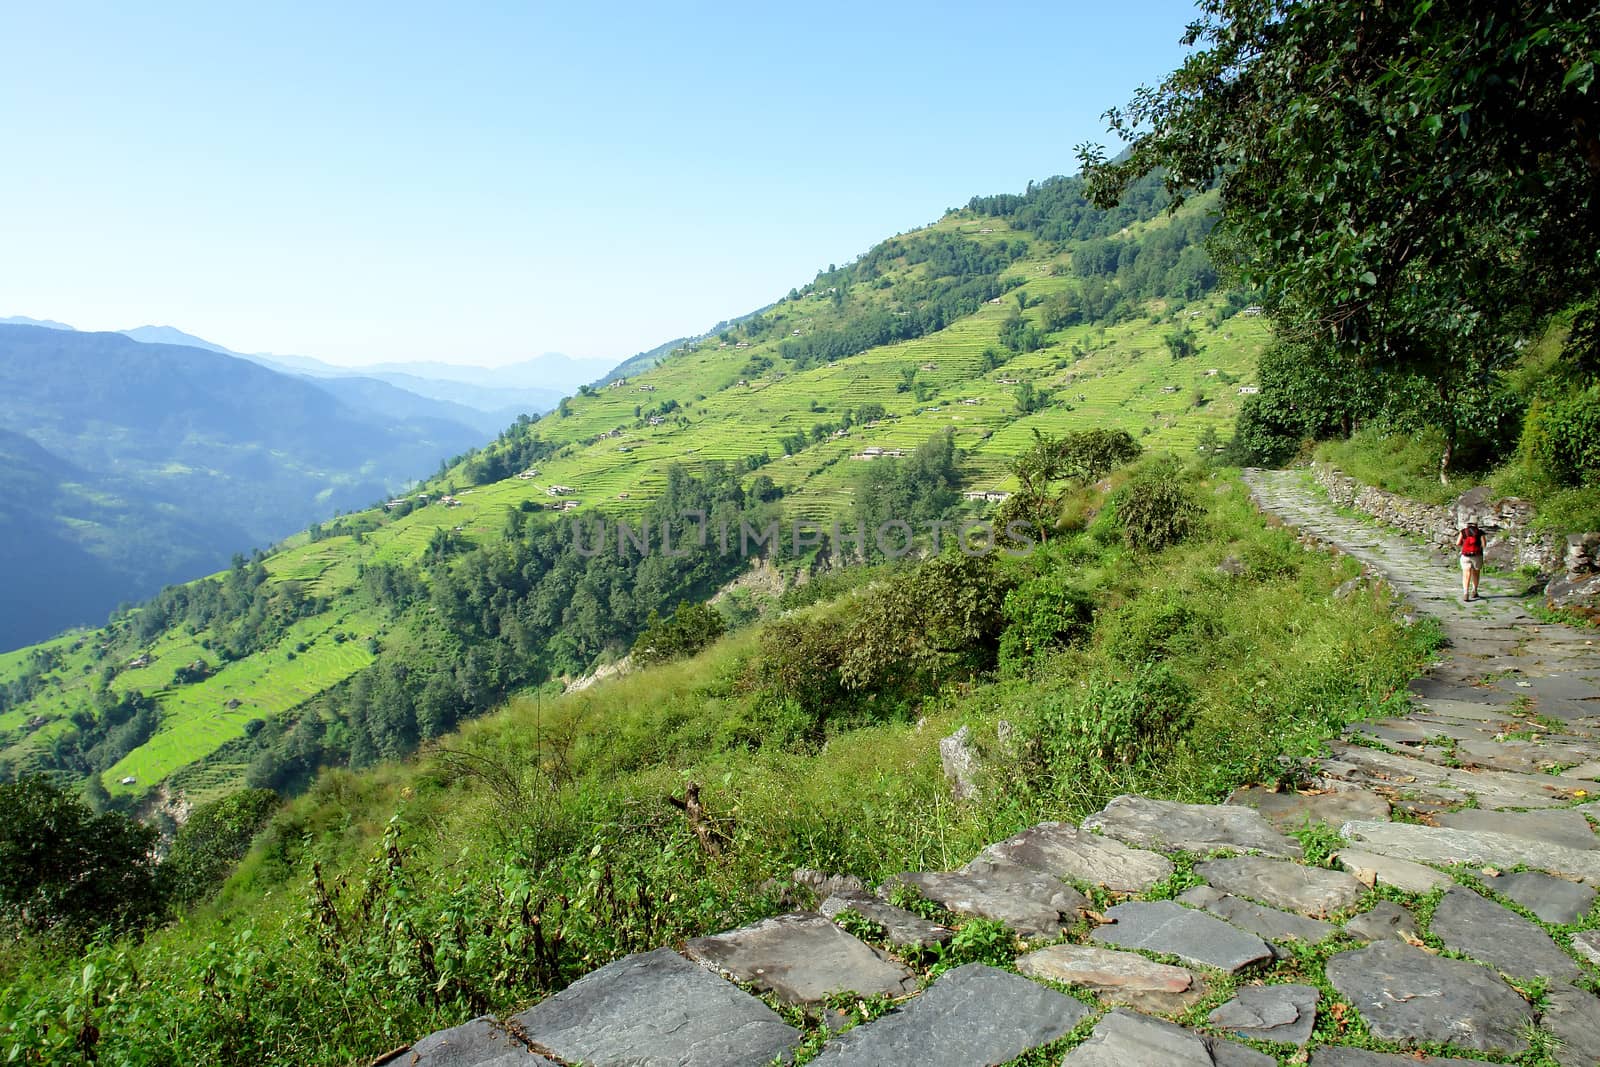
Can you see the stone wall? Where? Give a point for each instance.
(1570, 564)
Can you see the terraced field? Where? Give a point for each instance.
(726, 408)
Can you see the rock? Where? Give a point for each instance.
(1124, 978)
(1586, 943)
(825, 885)
(1192, 936)
(1438, 844)
(1347, 589)
(483, 1042)
(1034, 905)
(656, 1009)
(1284, 1013)
(1307, 890)
(901, 927)
(1064, 851)
(960, 764)
(1408, 995)
(1332, 1056)
(973, 1014)
(1376, 869)
(802, 958)
(1567, 828)
(1495, 788)
(1580, 593)
(1202, 828)
(1573, 1015)
(1125, 1039)
(1555, 900)
(1386, 921)
(1291, 810)
(1271, 925)
(1232, 566)
(1480, 928)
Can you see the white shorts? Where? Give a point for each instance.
(1471, 563)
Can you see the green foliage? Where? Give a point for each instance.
(1155, 509)
(1129, 720)
(213, 839)
(1421, 96)
(1044, 613)
(1564, 437)
(987, 941)
(65, 869)
(691, 628)
(1456, 125)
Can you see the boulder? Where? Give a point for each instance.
(1310, 891)
(1372, 868)
(1124, 978)
(960, 762)
(1283, 1013)
(901, 927)
(1555, 900)
(1480, 928)
(1034, 905)
(1386, 921)
(482, 1042)
(1125, 1039)
(1271, 925)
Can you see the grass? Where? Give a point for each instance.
(566, 798)
(1124, 375)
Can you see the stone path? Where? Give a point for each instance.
(1460, 920)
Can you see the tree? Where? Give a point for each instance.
(1181, 343)
(63, 867)
(1413, 185)
(216, 836)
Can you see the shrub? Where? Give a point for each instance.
(691, 628)
(215, 838)
(1147, 629)
(1133, 720)
(1564, 436)
(1155, 509)
(1043, 614)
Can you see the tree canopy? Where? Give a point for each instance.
(1413, 184)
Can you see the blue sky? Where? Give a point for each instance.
(479, 183)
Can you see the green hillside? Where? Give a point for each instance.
(1110, 319)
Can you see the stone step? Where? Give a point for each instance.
(802, 958)
(1440, 844)
(1034, 905)
(657, 1009)
(1164, 824)
(1065, 851)
(1309, 891)
(1192, 936)
(974, 1014)
(1127, 1039)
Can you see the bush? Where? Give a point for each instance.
(1043, 614)
(1148, 629)
(215, 838)
(1135, 720)
(691, 628)
(1156, 510)
(1563, 437)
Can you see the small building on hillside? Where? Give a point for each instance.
(987, 496)
(1249, 390)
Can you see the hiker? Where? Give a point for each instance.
(1471, 542)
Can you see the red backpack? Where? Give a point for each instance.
(1471, 543)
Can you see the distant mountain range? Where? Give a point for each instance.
(128, 465)
(486, 398)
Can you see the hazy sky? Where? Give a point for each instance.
(483, 182)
